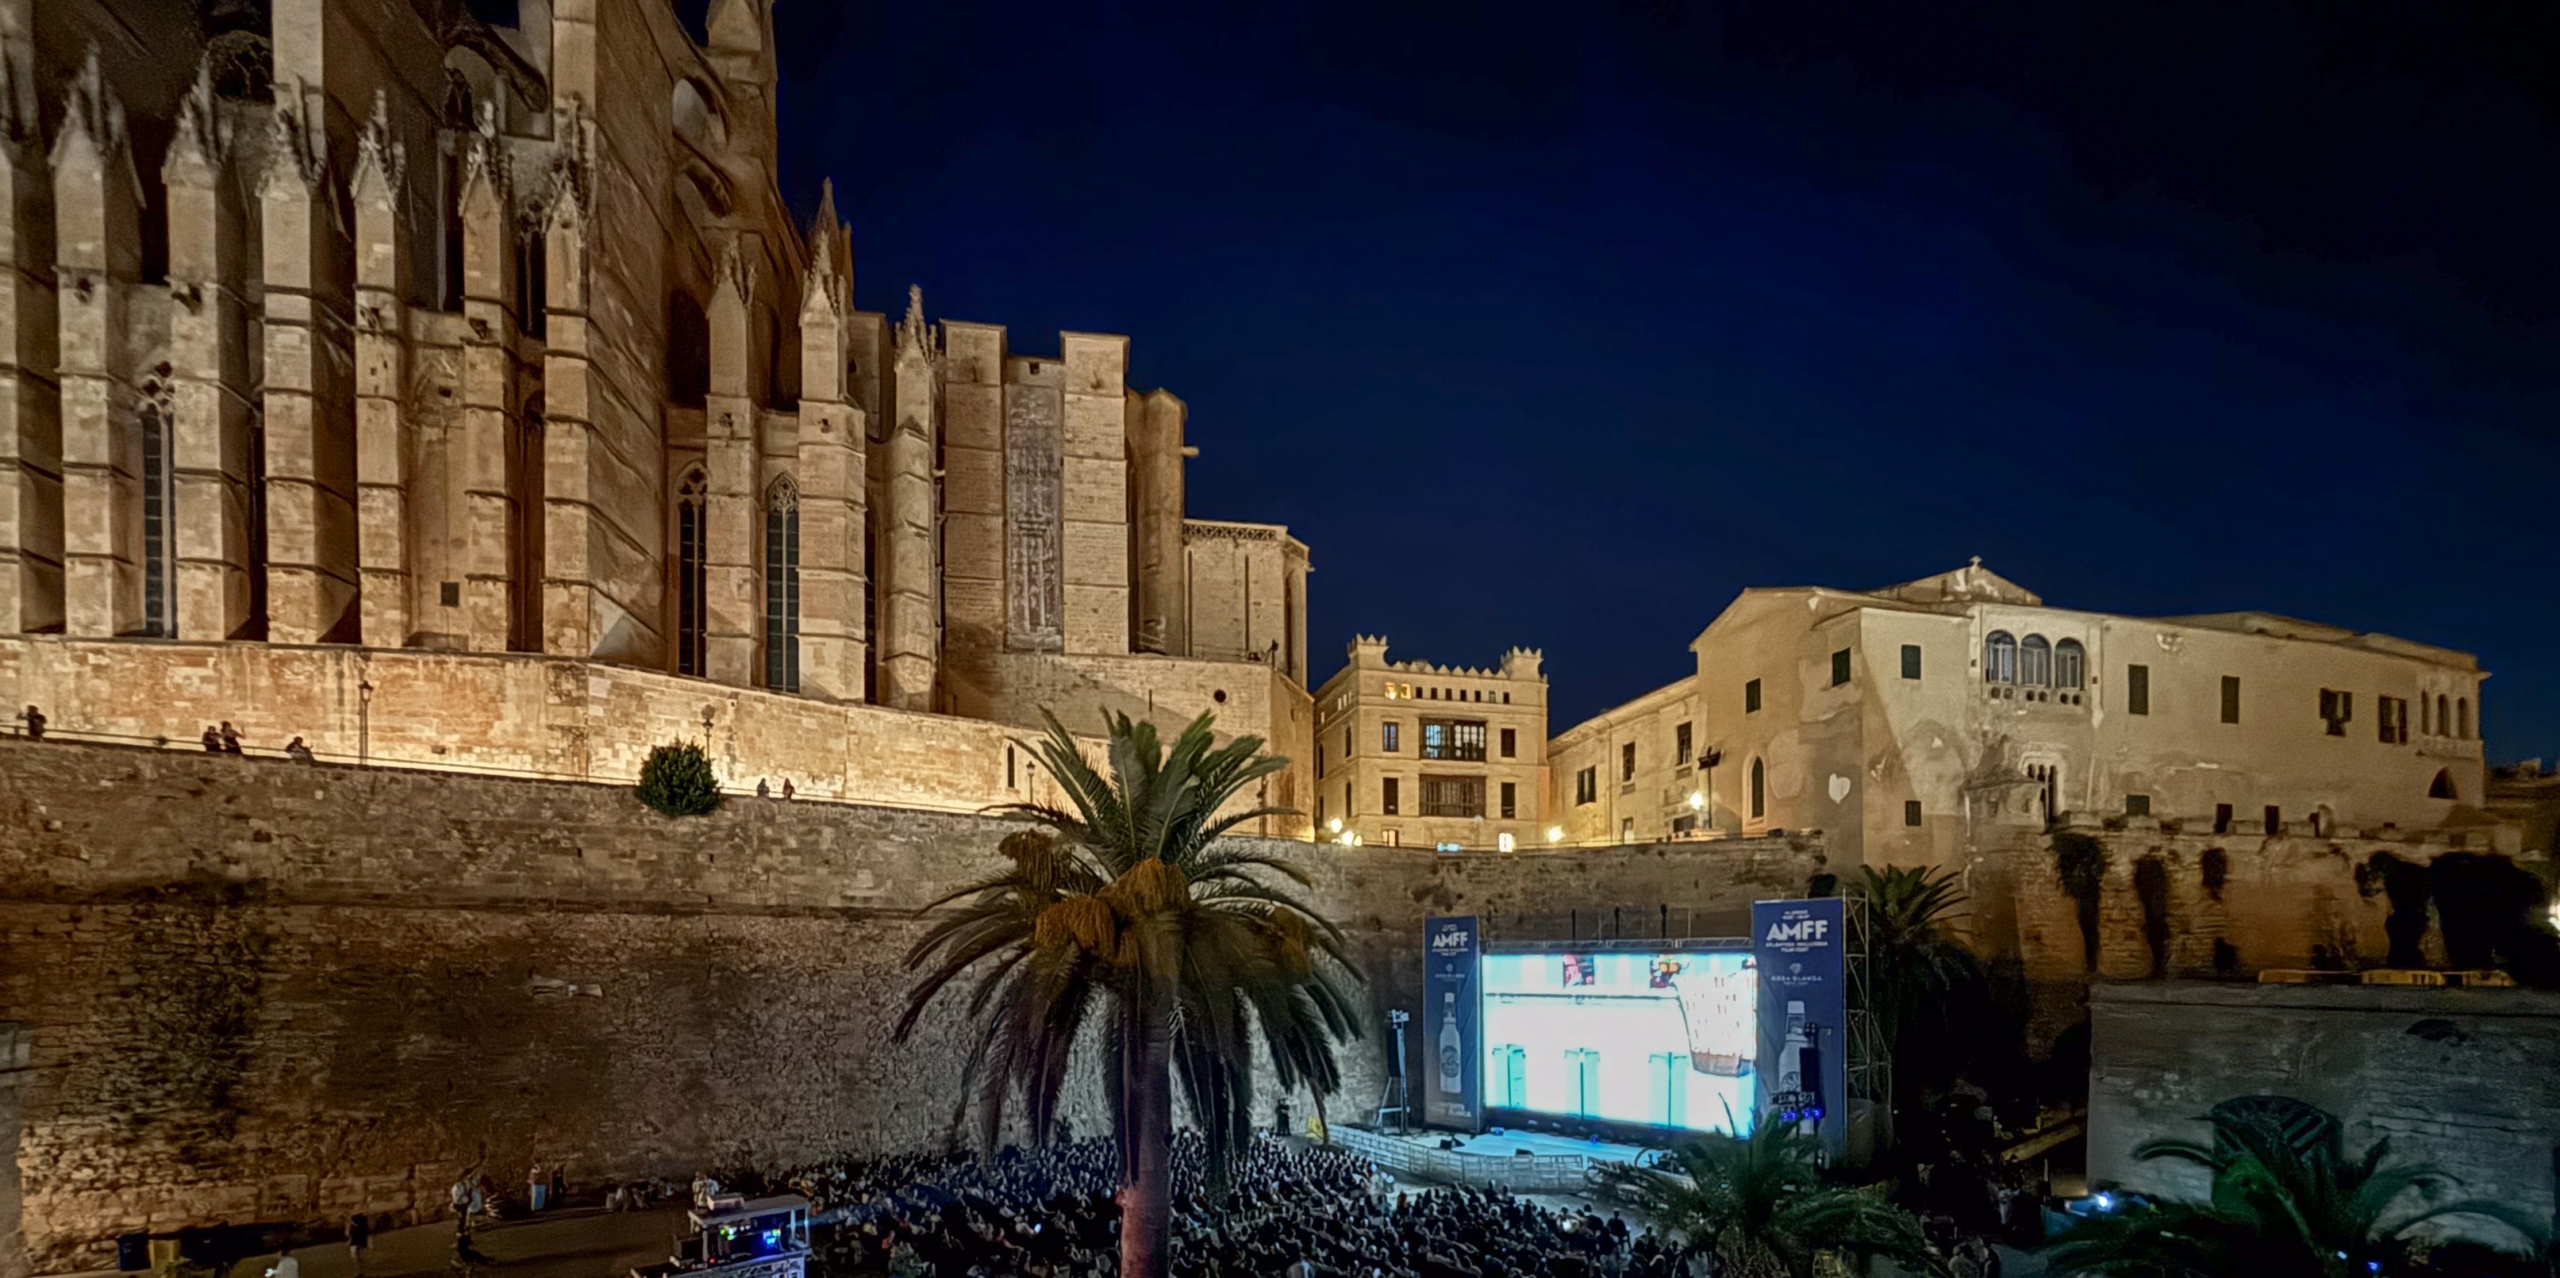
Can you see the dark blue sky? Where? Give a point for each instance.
(1558, 325)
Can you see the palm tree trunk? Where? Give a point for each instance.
(1146, 1200)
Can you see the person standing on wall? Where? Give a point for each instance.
(462, 1195)
(537, 1186)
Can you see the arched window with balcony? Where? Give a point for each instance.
(1759, 790)
(693, 540)
(1999, 658)
(2444, 718)
(782, 586)
(2462, 718)
(2035, 661)
(2070, 665)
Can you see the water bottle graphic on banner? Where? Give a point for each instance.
(1453, 1048)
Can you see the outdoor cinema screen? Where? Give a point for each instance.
(1657, 1040)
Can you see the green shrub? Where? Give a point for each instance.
(676, 779)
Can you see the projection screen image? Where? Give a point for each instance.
(1660, 1040)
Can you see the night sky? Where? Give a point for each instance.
(1557, 326)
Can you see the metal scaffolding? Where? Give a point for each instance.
(1870, 1060)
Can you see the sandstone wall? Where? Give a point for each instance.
(588, 721)
(267, 991)
(2468, 1080)
(2275, 900)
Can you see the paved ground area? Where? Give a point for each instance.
(576, 1243)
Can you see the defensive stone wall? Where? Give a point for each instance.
(2467, 1080)
(259, 990)
(560, 719)
(2190, 904)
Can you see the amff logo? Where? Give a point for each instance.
(1800, 930)
(1449, 940)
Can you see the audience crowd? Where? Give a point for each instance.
(1296, 1212)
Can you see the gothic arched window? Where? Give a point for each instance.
(782, 586)
(1999, 658)
(159, 529)
(692, 540)
(2035, 661)
(1759, 790)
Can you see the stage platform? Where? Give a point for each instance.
(1518, 1160)
(1513, 1144)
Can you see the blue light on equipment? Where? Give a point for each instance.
(2106, 1201)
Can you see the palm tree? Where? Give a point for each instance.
(1923, 983)
(2287, 1202)
(1125, 911)
(1762, 1204)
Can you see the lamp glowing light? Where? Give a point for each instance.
(1504, 842)
(1696, 800)
(1555, 834)
(1334, 826)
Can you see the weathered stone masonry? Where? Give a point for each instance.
(259, 990)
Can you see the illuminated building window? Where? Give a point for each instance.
(2137, 689)
(1453, 796)
(159, 545)
(2393, 715)
(1999, 658)
(692, 542)
(2070, 663)
(2035, 662)
(782, 587)
(1459, 740)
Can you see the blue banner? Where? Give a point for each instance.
(1451, 1064)
(1800, 948)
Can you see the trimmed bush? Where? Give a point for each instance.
(676, 779)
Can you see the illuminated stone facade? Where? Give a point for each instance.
(372, 323)
(1408, 753)
(1920, 723)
